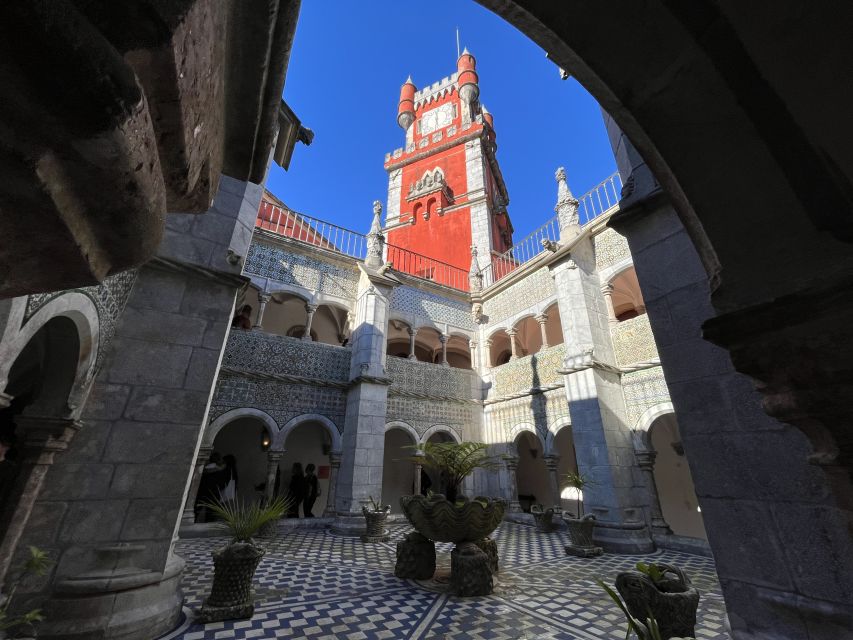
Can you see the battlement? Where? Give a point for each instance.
(436, 90)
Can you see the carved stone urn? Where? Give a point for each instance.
(462, 520)
(232, 596)
(672, 600)
(544, 518)
(580, 536)
(375, 519)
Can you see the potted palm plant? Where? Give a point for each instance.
(544, 518)
(35, 565)
(375, 514)
(663, 592)
(580, 526)
(231, 596)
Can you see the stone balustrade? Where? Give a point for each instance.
(529, 372)
(261, 352)
(429, 380)
(633, 341)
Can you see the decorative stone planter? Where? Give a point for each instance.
(544, 518)
(580, 537)
(467, 524)
(375, 531)
(232, 596)
(672, 601)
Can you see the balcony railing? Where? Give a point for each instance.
(420, 266)
(313, 231)
(598, 200)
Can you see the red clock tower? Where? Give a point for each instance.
(445, 189)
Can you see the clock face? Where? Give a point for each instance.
(437, 118)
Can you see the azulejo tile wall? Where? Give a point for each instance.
(267, 353)
(429, 379)
(522, 295)
(109, 298)
(533, 371)
(633, 341)
(540, 409)
(610, 249)
(422, 414)
(436, 308)
(643, 390)
(308, 272)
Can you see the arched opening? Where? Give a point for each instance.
(428, 345)
(528, 339)
(238, 455)
(287, 314)
(553, 325)
(398, 339)
(398, 474)
(431, 479)
(532, 474)
(307, 443)
(626, 295)
(500, 350)
(564, 448)
(458, 352)
(247, 298)
(673, 479)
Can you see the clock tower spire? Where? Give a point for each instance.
(446, 193)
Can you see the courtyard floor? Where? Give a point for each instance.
(312, 584)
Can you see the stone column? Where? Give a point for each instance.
(188, 516)
(44, 437)
(443, 340)
(418, 468)
(487, 352)
(334, 465)
(412, 334)
(273, 458)
(554, 478)
(512, 332)
(472, 346)
(566, 207)
(646, 462)
(512, 468)
(263, 299)
(310, 309)
(605, 452)
(607, 292)
(542, 319)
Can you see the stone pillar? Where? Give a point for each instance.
(605, 451)
(511, 462)
(554, 479)
(310, 309)
(418, 468)
(412, 334)
(512, 332)
(443, 340)
(273, 458)
(334, 465)
(646, 462)
(472, 346)
(188, 516)
(607, 292)
(542, 319)
(364, 425)
(487, 352)
(263, 299)
(43, 438)
(566, 207)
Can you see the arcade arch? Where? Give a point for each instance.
(398, 474)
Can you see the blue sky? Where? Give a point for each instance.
(348, 62)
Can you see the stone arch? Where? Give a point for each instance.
(228, 417)
(645, 421)
(331, 428)
(404, 426)
(521, 427)
(440, 428)
(558, 425)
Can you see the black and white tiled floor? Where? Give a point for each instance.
(312, 584)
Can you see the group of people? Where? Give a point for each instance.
(219, 483)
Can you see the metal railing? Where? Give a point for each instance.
(426, 268)
(309, 230)
(600, 199)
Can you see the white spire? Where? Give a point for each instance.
(567, 205)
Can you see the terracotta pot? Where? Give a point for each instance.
(461, 521)
(673, 601)
(231, 596)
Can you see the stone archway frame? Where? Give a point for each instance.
(405, 427)
(281, 438)
(440, 428)
(641, 438)
(228, 417)
(517, 430)
(563, 422)
(610, 273)
(77, 307)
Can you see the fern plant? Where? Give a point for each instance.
(455, 460)
(242, 519)
(36, 564)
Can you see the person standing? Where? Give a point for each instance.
(312, 491)
(296, 489)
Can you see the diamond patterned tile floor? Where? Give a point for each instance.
(313, 584)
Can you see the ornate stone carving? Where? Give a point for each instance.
(672, 601)
(430, 182)
(470, 574)
(567, 205)
(415, 557)
(477, 313)
(231, 596)
(475, 278)
(580, 535)
(375, 239)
